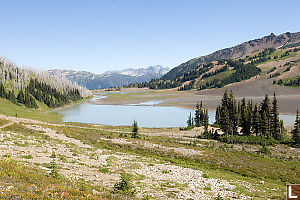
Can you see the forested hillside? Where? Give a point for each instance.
(26, 86)
(244, 49)
(219, 73)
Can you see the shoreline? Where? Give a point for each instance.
(167, 105)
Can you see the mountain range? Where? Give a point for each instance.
(111, 78)
(238, 51)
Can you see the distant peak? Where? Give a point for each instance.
(272, 35)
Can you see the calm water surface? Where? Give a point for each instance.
(145, 113)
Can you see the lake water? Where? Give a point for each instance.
(146, 114)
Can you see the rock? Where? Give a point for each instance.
(95, 192)
(10, 187)
(261, 182)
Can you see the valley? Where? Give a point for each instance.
(150, 139)
(178, 167)
(254, 88)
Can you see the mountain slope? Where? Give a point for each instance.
(111, 78)
(246, 48)
(27, 87)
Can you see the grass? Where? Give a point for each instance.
(104, 170)
(218, 163)
(3, 122)
(28, 157)
(219, 76)
(43, 113)
(24, 131)
(32, 183)
(204, 175)
(148, 95)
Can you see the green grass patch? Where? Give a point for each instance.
(104, 170)
(43, 113)
(33, 183)
(28, 157)
(219, 76)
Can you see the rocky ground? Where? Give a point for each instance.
(151, 177)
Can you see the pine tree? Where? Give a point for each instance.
(233, 114)
(274, 122)
(296, 130)
(256, 121)
(206, 119)
(190, 121)
(135, 129)
(225, 100)
(218, 115)
(225, 126)
(244, 118)
(20, 97)
(264, 125)
(53, 166)
(198, 114)
(13, 97)
(2, 91)
(265, 107)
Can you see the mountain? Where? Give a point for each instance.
(24, 86)
(111, 78)
(244, 49)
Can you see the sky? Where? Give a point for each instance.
(103, 35)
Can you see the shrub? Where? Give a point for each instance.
(247, 139)
(53, 166)
(264, 149)
(124, 185)
(165, 171)
(104, 170)
(204, 175)
(28, 157)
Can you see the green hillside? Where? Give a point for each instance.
(43, 113)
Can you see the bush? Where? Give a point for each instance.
(104, 170)
(124, 185)
(236, 139)
(265, 150)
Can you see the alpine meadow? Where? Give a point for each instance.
(187, 100)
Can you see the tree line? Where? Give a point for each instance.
(260, 120)
(244, 118)
(37, 90)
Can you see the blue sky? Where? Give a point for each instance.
(105, 35)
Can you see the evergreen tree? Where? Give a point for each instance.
(190, 121)
(245, 119)
(228, 113)
(199, 115)
(225, 100)
(264, 125)
(20, 97)
(233, 114)
(256, 121)
(218, 115)
(206, 119)
(13, 97)
(53, 167)
(135, 129)
(274, 122)
(265, 108)
(296, 130)
(225, 126)
(2, 91)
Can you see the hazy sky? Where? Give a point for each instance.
(105, 35)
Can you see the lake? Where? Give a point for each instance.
(146, 114)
